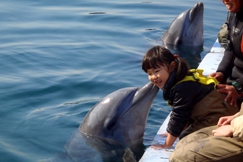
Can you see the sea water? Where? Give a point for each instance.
(59, 58)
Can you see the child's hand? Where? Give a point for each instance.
(158, 146)
(163, 134)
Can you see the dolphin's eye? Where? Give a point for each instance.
(179, 41)
(111, 125)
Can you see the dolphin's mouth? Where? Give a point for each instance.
(147, 91)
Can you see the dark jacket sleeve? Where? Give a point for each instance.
(232, 63)
(182, 103)
(226, 64)
(240, 81)
(183, 98)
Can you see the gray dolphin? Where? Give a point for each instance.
(122, 115)
(187, 28)
(113, 129)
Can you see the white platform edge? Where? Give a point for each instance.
(209, 64)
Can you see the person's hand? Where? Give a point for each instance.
(218, 75)
(231, 92)
(225, 120)
(223, 131)
(165, 134)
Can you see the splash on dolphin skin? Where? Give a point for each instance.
(187, 28)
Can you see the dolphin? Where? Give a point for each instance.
(122, 115)
(113, 129)
(187, 28)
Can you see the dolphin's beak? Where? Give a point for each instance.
(195, 10)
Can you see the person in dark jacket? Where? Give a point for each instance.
(193, 102)
(224, 141)
(230, 70)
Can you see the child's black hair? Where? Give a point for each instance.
(160, 56)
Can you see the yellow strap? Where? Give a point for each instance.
(197, 76)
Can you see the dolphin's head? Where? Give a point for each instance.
(187, 28)
(122, 115)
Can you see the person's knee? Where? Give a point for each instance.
(182, 156)
(176, 157)
(181, 152)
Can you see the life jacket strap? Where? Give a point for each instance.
(197, 76)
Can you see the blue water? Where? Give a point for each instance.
(59, 58)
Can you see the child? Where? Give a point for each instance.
(195, 102)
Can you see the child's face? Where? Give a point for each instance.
(158, 76)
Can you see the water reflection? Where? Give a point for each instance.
(192, 54)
